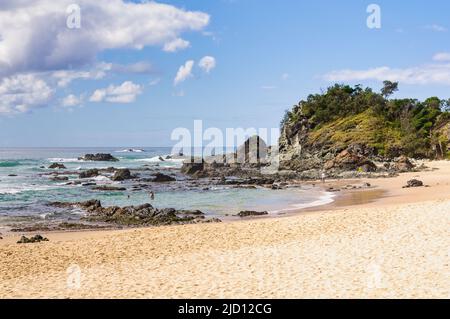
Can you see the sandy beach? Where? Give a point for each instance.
(391, 246)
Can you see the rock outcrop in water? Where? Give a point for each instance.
(143, 215)
(57, 166)
(89, 173)
(121, 175)
(99, 157)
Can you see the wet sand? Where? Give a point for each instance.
(384, 242)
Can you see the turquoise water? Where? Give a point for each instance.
(27, 194)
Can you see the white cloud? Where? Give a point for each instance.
(184, 72)
(207, 63)
(437, 73)
(442, 57)
(71, 101)
(176, 45)
(36, 38)
(124, 93)
(435, 28)
(22, 93)
(65, 77)
(154, 82)
(268, 87)
(141, 67)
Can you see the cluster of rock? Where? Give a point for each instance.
(99, 157)
(34, 239)
(143, 215)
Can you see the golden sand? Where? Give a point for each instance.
(394, 247)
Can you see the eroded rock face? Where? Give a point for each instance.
(99, 157)
(349, 160)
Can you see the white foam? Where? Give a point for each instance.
(131, 151)
(325, 199)
(64, 160)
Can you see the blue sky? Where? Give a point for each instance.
(268, 55)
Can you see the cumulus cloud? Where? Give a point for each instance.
(437, 73)
(22, 93)
(124, 93)
(65, 77)
(184, 72)
(36, 45)
(442, 57)
(176, 45)
(207, 63)
(71, 101)
(35, 36)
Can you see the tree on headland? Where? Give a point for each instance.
(389, 88)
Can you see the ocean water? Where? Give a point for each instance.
(26, 187)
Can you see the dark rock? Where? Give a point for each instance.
(161, 178)
(89, 173)
(413, 183)
(121, 175)
(57, 166)
(60, 178)
(99, 157)
(88, 184)
(12, 175)
(143, 215)
(34, 239)
(247, 213)
(108, 188)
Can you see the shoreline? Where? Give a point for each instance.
(333, 251)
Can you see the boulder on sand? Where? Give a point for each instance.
(413, 183)
(403, 164)
(247, 213)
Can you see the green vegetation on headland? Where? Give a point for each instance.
(344, 116)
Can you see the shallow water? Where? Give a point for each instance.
(27, 194)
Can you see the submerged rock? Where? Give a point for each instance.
(108, 188)
(99, 157)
